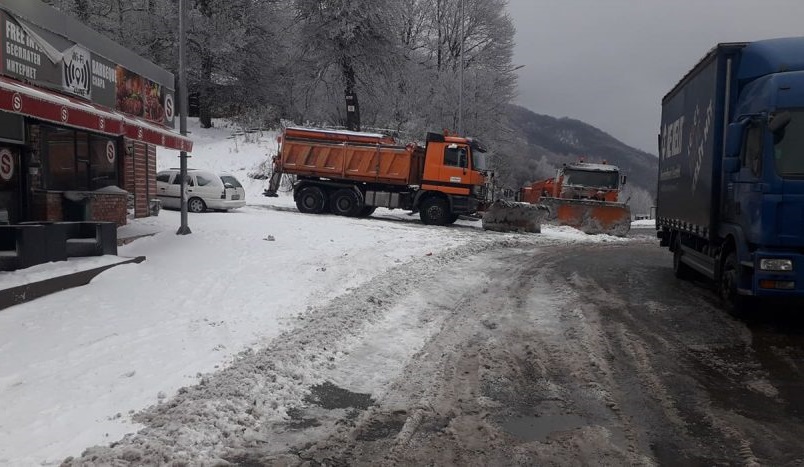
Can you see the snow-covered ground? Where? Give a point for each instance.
(76, 365)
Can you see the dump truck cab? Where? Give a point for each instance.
(455, 171)
(584, 180)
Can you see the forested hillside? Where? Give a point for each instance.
(262, 63)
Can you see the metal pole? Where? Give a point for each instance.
(460, 77)
(184, 229)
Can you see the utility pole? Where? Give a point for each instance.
(184, 229)
(460, 76)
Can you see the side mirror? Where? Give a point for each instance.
(734, 138)
(731, 165)
(623, 180)
(778, 122)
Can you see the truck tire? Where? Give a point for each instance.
(367, 211)
(345, 202)
(434, 211)
(452, 218)
(311, 200)
(730, 276)
(680, 270)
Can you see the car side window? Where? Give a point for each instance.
(163, 177)
(455, 157)
(202, 181)
(751, 156)
(177, 180)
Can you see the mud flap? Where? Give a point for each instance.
(591, 217)
(507, 216)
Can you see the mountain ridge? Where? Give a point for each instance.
(537, 144)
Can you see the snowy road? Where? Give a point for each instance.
(504, 353)
(268, 337)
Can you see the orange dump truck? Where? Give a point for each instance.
(352, 174)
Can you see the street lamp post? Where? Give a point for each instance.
(184, 229)
(460, 76)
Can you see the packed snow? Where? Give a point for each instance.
(77, 365)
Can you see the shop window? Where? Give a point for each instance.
(60, 157)
(76, 160)
(102, 163)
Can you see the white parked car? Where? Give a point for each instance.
(205, 190)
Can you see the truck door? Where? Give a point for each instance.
(748, 186)
(455, 169)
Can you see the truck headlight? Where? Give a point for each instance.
(774, 264)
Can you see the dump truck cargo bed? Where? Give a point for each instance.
(356, 157)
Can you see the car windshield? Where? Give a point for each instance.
(230, 180)
(788, 146)
(597, 179)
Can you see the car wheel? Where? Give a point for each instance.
(434, 211)
(196, 205)
(311, 200)
(345, 202)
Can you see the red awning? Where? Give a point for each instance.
(19, 98)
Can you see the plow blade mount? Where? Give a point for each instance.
(591, 217)
(507, 216)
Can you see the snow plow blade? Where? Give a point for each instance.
(590, 217)
(507, 216)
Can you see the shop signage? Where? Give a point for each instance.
(6, 164)
(76, 72)
(68, 67)
(110, 152)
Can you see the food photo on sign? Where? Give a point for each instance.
(154, 111)
(129, 92)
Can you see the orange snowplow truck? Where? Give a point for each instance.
(353, 173)
(585, 196)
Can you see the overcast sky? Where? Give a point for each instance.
(610, 62)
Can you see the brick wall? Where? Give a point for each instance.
(46, 206)
(107, 207)
(139, 175)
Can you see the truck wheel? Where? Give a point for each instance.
(452, 218)
(680, 270)
(730, 276)
(311, 200)
(434, 211)
(345, 202)
(367, 211)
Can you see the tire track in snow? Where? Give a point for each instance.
(235, 409)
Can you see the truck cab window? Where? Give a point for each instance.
(751, 156)
(788, 144)
(455, 157)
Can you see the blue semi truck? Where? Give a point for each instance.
(730, 198)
